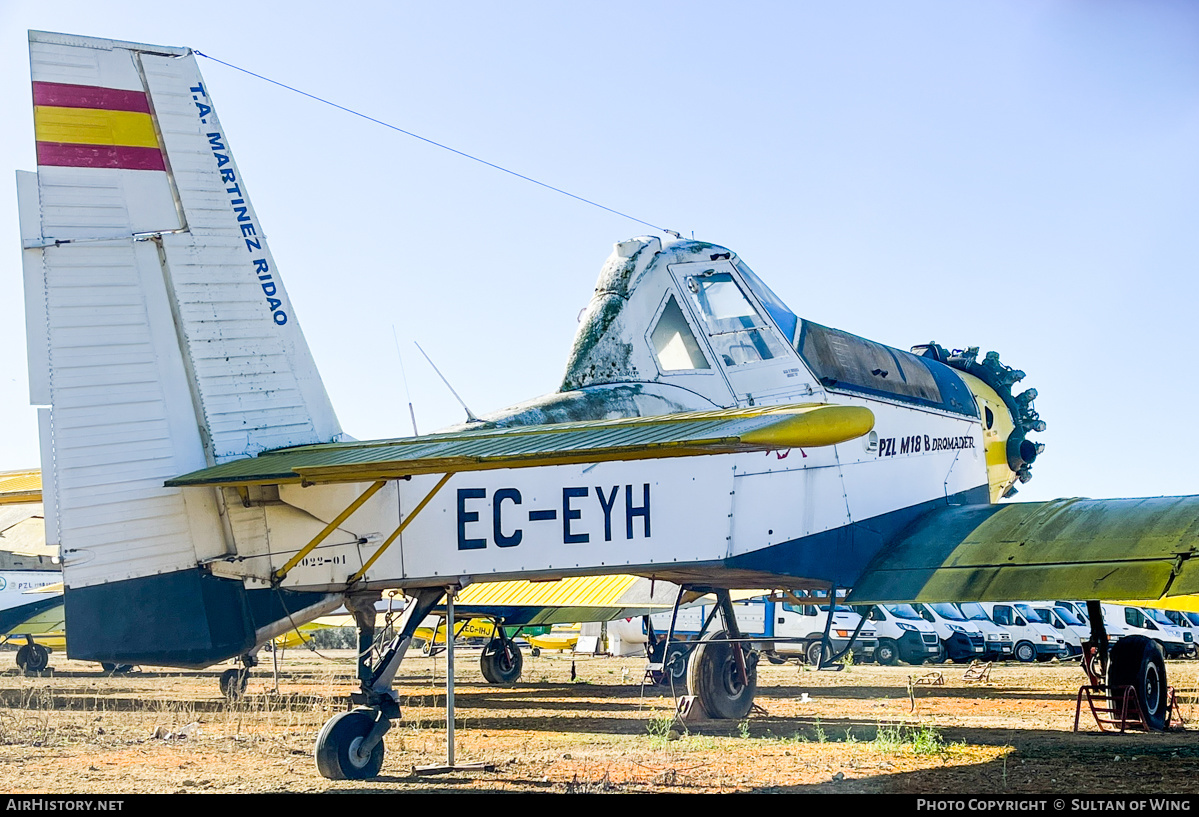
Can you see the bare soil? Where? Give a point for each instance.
(84, 731)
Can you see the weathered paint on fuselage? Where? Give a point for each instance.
(787, 518)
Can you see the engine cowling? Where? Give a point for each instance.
(1007, 419)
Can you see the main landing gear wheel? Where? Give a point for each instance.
(887, 652)
(233, 683)
(1137, 662)
(33, 657)
(714, 677)
(339, 753)
(501, 661)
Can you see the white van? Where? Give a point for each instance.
(1034, 641)
(961, 640)
(999, 644)
(1070, 627)
(1185, 620)
(1113, 624)
(902, 634)
(1150, 623)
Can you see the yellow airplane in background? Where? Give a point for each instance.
(31, 604)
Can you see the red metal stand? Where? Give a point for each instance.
(1116, 708)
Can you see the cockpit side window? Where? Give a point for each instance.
(675, 347)
(738, 334)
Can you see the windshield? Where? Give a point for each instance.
(1158, 616)
(1033, 614)
(1069, 616)
(775, 307)
(841, 608)
(974, 611)
(948, 611)
(1193, 618)
(903, 611)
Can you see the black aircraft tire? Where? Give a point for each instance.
(501, 662)
(1137, 661)
(233, 683)
(336, 747)
(713, 678)
(33, 657)
(887, 653)
(674, 667)
(774, 658)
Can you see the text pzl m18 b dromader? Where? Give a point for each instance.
(203, 499)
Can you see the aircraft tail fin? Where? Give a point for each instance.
(161, 340)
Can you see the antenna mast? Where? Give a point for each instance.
(470, 415)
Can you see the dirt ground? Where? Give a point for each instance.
(83, 731)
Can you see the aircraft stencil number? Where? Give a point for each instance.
(321, 561)
(506, 533)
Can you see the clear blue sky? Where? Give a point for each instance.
(1018, 176)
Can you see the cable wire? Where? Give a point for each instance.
(434, 143)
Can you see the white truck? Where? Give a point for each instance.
(801, 625)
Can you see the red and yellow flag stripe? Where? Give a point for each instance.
(90, 126)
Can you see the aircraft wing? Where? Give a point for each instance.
(20, 486)
(583, 598)
(1103, 549)
(723, 431)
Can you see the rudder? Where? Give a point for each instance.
(161, 340)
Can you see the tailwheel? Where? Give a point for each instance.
(33, 657)
(714, 677)
(343, 748)
(501, 661)
(1137, 661)
(233, 682)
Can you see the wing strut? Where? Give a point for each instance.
(386, 544)
(282, 572)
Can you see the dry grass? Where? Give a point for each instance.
(84, 731)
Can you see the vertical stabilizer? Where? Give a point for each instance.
(160, 337)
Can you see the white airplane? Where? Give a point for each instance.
(205, 497)
(30, 581)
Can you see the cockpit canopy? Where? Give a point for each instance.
(695, 315)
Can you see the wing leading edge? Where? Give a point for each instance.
(1103, 549)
